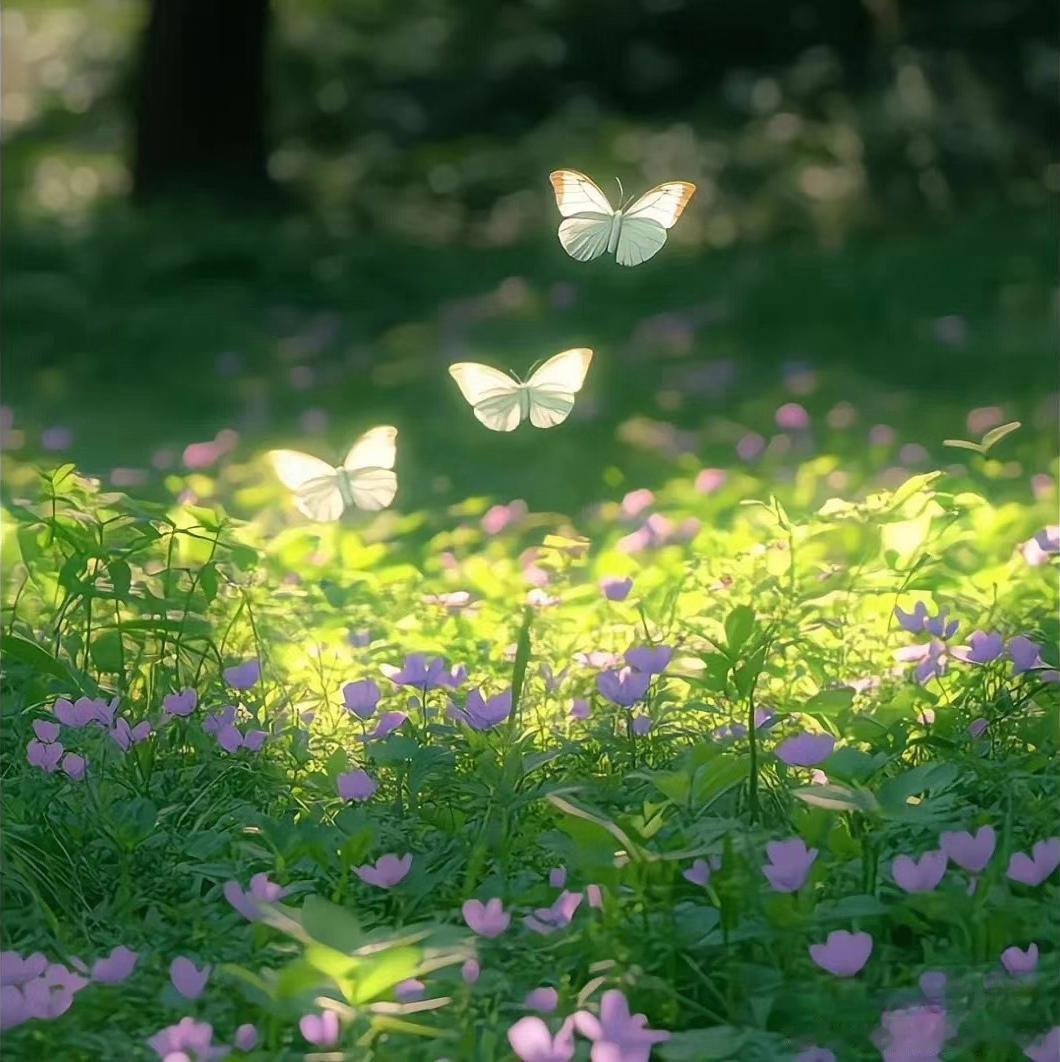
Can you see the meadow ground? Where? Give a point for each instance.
(733, 699)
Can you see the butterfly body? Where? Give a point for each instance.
(502, 402)
(634, 233)
(365, 479)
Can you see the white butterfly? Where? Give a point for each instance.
(365, 479)
(501, 401)
(592, 227)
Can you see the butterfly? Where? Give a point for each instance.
(365, 479)
(501, 401)
(592, 227)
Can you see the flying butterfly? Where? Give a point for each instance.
(365, 479)
(633, 234)
(502, 402)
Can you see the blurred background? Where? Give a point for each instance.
(230, 226)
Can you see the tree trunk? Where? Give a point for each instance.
(200, 102)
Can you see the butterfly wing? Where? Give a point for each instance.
(585, 238)
(374, 449)
(493, 395)
(551, 389)
(372, 489)
(315, 483)
(644, 224)
(577, 194)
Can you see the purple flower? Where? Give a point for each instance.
(933, 984)
(187, 978)
(982, 648)
(640, 725)
(125, 736)
(921, 875)
(930, 657)
(543, 999)
(46, 757)
(261, 890)
(532, 1041)
(232, 739)
(595, 895)
(616, 589)
(356, 785)
(387, 872)
(482, 714)
(547, 920)
(699, 872)
(114, 968)
(216, 721)
(623, 687)
(977, 727)
(46, 731)
(913, 1034)
(579, 708)
(815, 1054)
(557, 877)
(388, 723)
(187, 1040)
(182, 703)
(617, 1034)
(320, 1029)
(409, 990)
(843, 953)
(470, 971)
(418, 671)
(651, 660)
(1046, 543)
(969, 851)
(940, 627)
(83, 711)
(789, 864)
(1027, 656)
(1047, 1049)
(243, 676)
(16, 970)
(553, 680)
(246, 1037)
(1020, 963)
(805, 750)
(913, 622)
(361, 697)
(1033, 869)
(487, 919)
(792, 417)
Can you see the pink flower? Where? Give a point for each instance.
(188, 1039)
(181, 704)
(969, 851)
(470, 971)
(487, 919)
(532, 1041)
(1047, 1049)
(243, 676)
(921, 875)
(547, 920)
(248, 903)
(789, 864)
(115, 967)
(635, 502)
(187, 978)
(913, 1034)
(618, 1035)
(792, 417)
(387, 872)
(594, 894)
(320, 1029)
(356, 785)
(246, 1037)
(805, 750)
(616, 589)
(498, 517)
(557, 877)
(843, 953)
(710, 479)
(1033, 869)
(544, 1000)
(1020, 963)
(361, 697)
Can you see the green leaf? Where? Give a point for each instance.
(913, 485)
(337, 927)
(691, 1045)
(107, 652)
(830, 703)
(32, 655)
(120, 578)
(995, 435)
(522, 661)
(739, 626)
(837, 798)
(384, 970)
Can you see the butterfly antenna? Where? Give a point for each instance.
(621, 191)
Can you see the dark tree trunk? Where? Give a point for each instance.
(200, 104)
